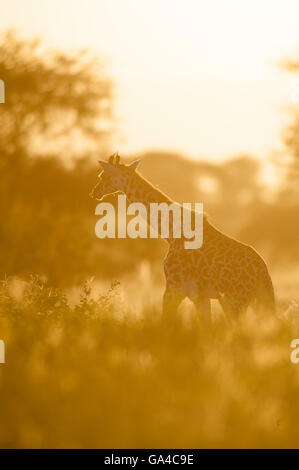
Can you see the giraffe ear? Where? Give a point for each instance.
(134, 165)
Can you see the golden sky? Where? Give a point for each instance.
(195, 76)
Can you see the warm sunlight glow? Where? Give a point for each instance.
(149, 160)
(185, 71)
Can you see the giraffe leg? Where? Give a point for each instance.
(203, 307)
(233, 307)
(225, 308)
(171, 302)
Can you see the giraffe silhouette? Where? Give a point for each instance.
(223, 268)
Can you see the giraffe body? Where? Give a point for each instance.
(223, 268)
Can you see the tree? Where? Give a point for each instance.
(291, 140)
(54, 104)
(51, 97)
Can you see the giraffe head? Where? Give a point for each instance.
(113, 178)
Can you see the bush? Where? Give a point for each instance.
(94, 375)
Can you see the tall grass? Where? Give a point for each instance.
(93, 375)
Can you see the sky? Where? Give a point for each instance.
(199, 77)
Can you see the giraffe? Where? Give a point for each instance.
(223, 268)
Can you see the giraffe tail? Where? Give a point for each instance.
(265, 298)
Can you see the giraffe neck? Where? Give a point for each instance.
(138, 189)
